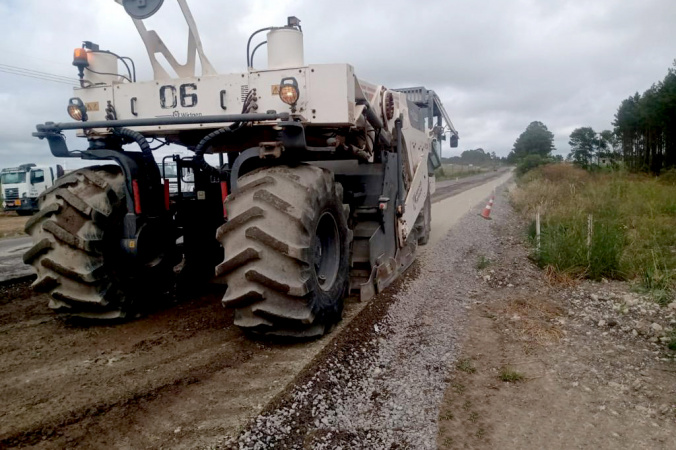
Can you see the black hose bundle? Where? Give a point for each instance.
(203, 145)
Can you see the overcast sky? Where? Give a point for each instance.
(496, 64)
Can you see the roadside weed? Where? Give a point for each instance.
(509, 375)
(482, 262)
(458, 388)
(465, 365)
(447, 416)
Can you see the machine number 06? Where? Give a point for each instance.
(186, 92)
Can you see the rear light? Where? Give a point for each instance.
(137, 196)
(224, 196)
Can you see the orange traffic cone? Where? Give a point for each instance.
(486, 214)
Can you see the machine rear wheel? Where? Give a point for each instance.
(286, 251)
(76, 236)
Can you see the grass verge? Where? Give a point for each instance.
(632, 231)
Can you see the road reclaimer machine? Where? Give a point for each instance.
(322, 189)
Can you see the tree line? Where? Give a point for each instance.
(644, 137)
(645, 127)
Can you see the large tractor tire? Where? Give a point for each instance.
(76, 236)
(286, 251)
(423, 224)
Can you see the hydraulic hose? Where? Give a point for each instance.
(136, 137)
(203, 145)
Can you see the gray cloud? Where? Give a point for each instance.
(497, 65)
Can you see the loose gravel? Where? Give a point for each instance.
(383, 388)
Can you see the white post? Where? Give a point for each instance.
(590, 231)
(537, 230)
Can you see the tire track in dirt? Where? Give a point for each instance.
(180, 377)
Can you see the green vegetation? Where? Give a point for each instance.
(645, 126)
(453, 171)
(531, 162)
(475, 157)
(589, 149)
(482, 263)
(672, 342)
(465, 365)
(644, 138)
(448, 415)
(458, 388)
(510, 376)
(633, 231)
(533, 148)
(535, 140)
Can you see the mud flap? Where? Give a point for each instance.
(384, 273)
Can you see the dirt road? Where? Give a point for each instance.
(183, 377)
(11, 261)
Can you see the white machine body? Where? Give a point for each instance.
(285, 48)
(329, 95)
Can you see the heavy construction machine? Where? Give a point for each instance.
(325, 191)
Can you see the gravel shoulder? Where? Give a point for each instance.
(596, 372)
(380, 384)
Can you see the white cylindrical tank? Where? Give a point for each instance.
(102, 63)
(285, 48)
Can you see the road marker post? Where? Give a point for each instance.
(590, 233)
(537, 230)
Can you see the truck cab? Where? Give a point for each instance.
(22, 185)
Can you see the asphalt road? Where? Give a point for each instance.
(448, 188)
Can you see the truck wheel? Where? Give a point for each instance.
(423, 224)
(76, 236)
(286, 251)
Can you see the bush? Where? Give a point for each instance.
(530, 162)
(668, 177)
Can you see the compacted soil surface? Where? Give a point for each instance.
(549, 362)
(481, 349)
(11, 224)
(182, 376)
(474, 347)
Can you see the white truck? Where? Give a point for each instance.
(325, 191)
(21, 186)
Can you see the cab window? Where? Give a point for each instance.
(37, 176)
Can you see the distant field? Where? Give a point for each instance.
(453, 171)
(11, 225)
